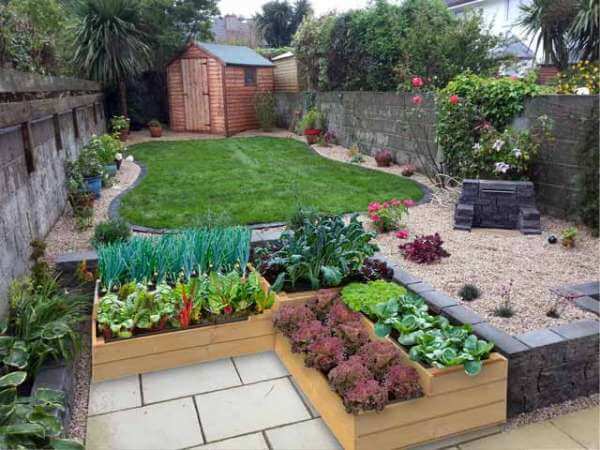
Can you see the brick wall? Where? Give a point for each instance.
(30, 203)
(375, 120)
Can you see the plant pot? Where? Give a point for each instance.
(81, 199)
(124, 135)
(118, 163)
(110, 169)
(312, 135)
(94, 185)
(155, 132)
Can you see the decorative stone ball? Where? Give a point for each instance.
(552, 239)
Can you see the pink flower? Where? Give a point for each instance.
(402, 234)
(375, 218)
(408, 202)
(417, 100)
(395, 202)
(454, 99)
(373, 207)
(417, 82)
(386, 204)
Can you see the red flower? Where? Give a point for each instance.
(417, 82)
(409, 202)
(454, 99)
(228, 309)
(373, 207)
(402, 234)
(417, 99)
(375, 218)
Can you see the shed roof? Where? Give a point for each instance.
(235, 54)
(283, 56)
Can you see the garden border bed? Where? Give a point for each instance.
(170, 349)
(453, 403)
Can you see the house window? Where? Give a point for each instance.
(250, 76)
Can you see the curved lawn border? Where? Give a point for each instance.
(115, 204)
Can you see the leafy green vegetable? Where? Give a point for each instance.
(362, 297)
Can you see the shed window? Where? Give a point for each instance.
(250, 76)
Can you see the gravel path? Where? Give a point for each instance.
(81, 388)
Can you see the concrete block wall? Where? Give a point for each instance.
(31, 203)
(375, 120)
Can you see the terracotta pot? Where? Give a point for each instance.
(123, 135)
(155, 132)
(312, 136)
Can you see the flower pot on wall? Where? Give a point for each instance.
(94, 185)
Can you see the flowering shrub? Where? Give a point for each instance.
(387, 216)
(288, 318)
(348, 374)
(407, 170)
(402, 234)
(374, 269)
(425, 249)
(379, 357)
(353, 334)
(307, 333)
(582, 78)
(384, 158)
(340, 313)
(367, 395)
(402, 383)
(325, 353)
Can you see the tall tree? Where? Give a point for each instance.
(585, 30)
(109, 44)
(279, 20)
(302, 8)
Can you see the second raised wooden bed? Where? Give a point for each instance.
(453, 402)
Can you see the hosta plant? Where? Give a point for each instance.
(425, 249)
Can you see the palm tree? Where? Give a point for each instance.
(109, 46)
(275, 22)
(586, 30)
(550, 21)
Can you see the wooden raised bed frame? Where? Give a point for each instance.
(166, 350)
(453, 402)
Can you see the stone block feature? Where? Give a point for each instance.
(497, 204)
(405, 278)
(461, 315)
(505, 343)
(438, 300)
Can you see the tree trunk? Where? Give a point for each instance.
(123, 97)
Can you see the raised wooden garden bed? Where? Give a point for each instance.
(453, 402)
(169, 349)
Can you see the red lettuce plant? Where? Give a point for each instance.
(348, 374)
(340, 313)
(379, 356)
(289, 318)
(402, 383)
(325, 354)
(307, 333)
(353, 334)
(375, 269)
(367, 395)
(425, 249)
(323, 302)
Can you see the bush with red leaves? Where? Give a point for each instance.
(402, 383)
(289, 318)
(323, 302)
(379, 357)
(348, 374)
(375, 269)
(307, 333)
(340, 313)
(367, 395)
(325, 354)
(353, 334)
(384, 158)
(425, 249)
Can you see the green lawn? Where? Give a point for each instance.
(254, 180)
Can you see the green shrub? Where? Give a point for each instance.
(469, 292)
(313, 119)
(106, 147)
(264, 104)
(111, 231)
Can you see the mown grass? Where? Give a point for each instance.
(252, 180)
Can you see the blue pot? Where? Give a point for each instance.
(110, 169)
(94, 184)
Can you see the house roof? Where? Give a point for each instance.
(513, 46)
(456, 3)
(235, 55)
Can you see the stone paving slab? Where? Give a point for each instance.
(313, 411)
(259, 367)
(249, 408)
(254, 441)
(114, 395)
(582, 426)
(189, 380)
(162, 426)
(309, 435)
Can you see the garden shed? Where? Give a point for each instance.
(212, 88)
(286, 74)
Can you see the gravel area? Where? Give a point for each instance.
(81, 388)
(65, 237)
(490, 258)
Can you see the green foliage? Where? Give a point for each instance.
(311, 120)
(589, 182)
(469, 292)
(119, 123)
(362, 297)
(323, 253)
(303, 214)
(264, 105)
(585, 29)
(381, 47)
(486, 106)
(31, 422)
(171, 257)
(106, 147)
(279, 20)
(111, 231)
(584, 74)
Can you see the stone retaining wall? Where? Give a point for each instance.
(375, 120)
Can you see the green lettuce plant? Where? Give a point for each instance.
(363, 296)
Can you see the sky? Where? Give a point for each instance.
(248, 8)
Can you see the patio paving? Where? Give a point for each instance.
(251, 403)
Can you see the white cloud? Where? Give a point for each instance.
(248, 8)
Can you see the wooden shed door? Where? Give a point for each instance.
(195, 94)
